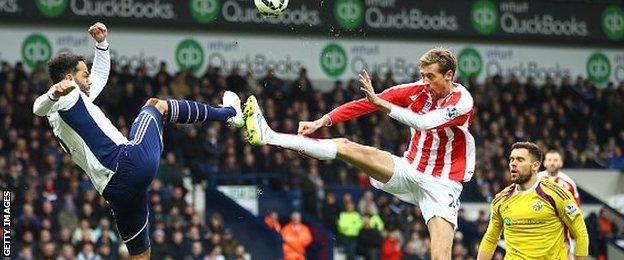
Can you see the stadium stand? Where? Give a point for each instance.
(60, 215)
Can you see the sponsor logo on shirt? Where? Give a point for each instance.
(507, 221)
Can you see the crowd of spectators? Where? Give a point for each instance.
(55, 197)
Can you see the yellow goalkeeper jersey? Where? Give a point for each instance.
(535, 222)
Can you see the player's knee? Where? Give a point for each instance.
(343, 145)
(342, 141)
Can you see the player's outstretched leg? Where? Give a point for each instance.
(374, 162)
(259, 133)
(184, 111)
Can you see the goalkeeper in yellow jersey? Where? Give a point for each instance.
(534, 214)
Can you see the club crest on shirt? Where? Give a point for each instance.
(537, 206)
(571, 209)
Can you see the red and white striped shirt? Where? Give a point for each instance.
(441, 144)
(564, 181)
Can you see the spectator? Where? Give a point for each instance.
(349, 225)
(158, 246)
(313, 190)
(375, 220)
(297, 237)
(27, 221)
(88, 253)
(229, 243)
(67, 253)
(416, 247)
(330, 210)
(369, 241)
(215, 254)
(68, 217)
(178, 246)
(197, 252)
(170, 171)
(83, 234)
(48, 251)
(367, 201)
(216, 224)
(606, 231)
(272, 220)
(26, 252)
(240, 253)
(391, 247)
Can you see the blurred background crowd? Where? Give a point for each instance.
(59, 214)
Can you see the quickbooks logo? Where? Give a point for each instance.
(189, 54)
(349, 14)
(484, 16)
(204, 11)
(9, 6)
(507, 221)
(469, 63)
(598, 68)
(51, 8)
(613, 22)
(333, 60)
(35, 48)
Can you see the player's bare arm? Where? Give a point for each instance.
(369, 91)
(309, 127)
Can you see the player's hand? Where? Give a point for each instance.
(63, 88)
(98, 31)
(367, 88)
(309, 127)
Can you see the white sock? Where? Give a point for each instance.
(322, 149)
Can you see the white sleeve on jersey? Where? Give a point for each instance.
(432, 118)
(100, 69)
(44, 105)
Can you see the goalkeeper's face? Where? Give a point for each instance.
(522, 166)
(81, 77)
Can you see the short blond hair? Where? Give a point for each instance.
(442, 56)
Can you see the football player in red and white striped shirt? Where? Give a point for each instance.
(553, 162)
(441, 154)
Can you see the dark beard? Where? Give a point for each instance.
(522, 179)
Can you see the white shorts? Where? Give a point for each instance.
(435, 196)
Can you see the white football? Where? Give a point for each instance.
(271, 8)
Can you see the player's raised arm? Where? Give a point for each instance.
(398, 95)
(101, 61)
(493, 232)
